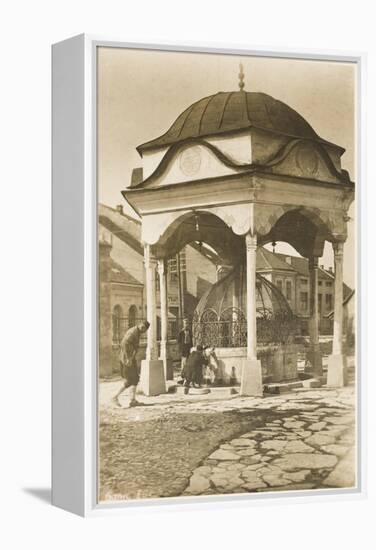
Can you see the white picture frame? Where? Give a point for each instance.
(74, 269)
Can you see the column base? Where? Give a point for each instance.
(315, 363)
(152, 380)
(168, 368)
(251, 380)
(337, 371)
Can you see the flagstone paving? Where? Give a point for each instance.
(204, 445)
(302, 452)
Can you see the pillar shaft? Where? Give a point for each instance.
(314, 355)
(251, 247)
(314, 313)
(251, 380)
(338, 298)
(151, 309)
(337, 365)
(164, 308)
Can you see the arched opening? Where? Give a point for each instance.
(132, 316)
(303, 229)
(201, 227)
(117, 315)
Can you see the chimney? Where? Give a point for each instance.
(322, 266)
(119, 208)
(331, 269)
(288, 260)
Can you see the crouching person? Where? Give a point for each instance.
(128, 364)
(193, 368)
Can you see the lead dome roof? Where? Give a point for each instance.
(230, 112)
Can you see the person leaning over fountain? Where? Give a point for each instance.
(197, 360)
(128, 364)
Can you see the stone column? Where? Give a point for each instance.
(163, 355)
(251, 383)
(151, 303)
(314, 354)
(337, 367)
(152, 375)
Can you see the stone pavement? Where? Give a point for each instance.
(313, 448)
(216, 444)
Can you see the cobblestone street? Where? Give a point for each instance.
(221, 443)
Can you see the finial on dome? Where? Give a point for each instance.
(241, 77)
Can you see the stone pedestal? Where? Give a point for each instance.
(169, 369)
(152, 380)
(337, 371)
(251, 381)
(314, 366)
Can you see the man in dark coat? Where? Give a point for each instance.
(128, 365)
(193, 368)
(185, 342)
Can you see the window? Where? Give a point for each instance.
(132, 316)
(173, 266)
(173, 270)
(304, 281)
(279, 285)
(304, 301)
(329, 301)
(117, 315)
(329, 284)
(320, 283)
(319, 303)
(288, 290)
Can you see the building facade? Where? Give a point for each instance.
(291, 275)
(122, 283)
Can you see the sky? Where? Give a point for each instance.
(141, 93)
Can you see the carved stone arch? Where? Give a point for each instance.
(306, 229)
(157, 228)
(221, 227)
(268, 215)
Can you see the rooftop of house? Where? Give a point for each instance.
(120, 275)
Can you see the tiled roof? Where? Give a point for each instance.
(267, 261)
(300, 265)
(120, 275)
(126, 228)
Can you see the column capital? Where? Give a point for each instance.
(149, 259)
(251, 242)
(338, 248)
(162, 266)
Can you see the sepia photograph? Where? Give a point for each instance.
(227, 274)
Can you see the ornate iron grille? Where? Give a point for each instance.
(230, 329)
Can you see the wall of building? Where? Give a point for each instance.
(300, 297)
(105, 318)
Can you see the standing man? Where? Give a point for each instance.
(185, 341)
(128, 365)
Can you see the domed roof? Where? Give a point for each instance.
(227, 112)
(219, 297)
(223, 308)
